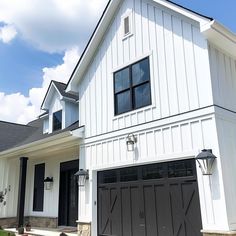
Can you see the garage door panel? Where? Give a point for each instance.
(137, 212)
(126, 211)
(152, 200)
(150, 210)
(115, 213)
(184, 205)
(104, 221)
(163, 210)
(191, 199)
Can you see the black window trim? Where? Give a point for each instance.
(131, 88)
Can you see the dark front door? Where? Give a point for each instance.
(68, 197)
(152, 200)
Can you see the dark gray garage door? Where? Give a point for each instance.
(151, 200)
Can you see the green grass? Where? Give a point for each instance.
(4, 233)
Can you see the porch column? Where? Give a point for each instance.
(21, 191)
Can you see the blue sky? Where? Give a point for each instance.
(44, 43)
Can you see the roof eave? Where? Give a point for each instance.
(40, 144)
(220, 36)
(92, 45)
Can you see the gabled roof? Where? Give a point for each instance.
(60, 88)
(103, 24)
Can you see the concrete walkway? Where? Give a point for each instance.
(47, 232)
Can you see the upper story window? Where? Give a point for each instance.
(132, 87)
(57, 120)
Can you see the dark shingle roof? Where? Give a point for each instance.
(15, 135)
(61, 88)
(11, 134)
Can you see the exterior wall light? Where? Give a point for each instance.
(48, 183)
(206, 160)
(130, 141)
(82, 175)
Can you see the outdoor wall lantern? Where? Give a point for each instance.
(48, 183)
(82, 175)
(206, 160)
(130, 141)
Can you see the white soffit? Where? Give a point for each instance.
(220, 36)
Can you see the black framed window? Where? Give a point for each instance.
(39, 172)
(57, 120)
(132, 87)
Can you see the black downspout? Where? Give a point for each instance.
(21, 192)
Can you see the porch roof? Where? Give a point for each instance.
(18, 139)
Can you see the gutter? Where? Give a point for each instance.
(220, 36)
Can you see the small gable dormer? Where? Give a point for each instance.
(61, 108)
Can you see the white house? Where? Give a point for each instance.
(38, 162)
(156, 85)
(165, 77)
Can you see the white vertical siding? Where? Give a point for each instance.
(9, 179)
(179, 68)
(223, 73)
(226, 127)
(153, 144)
(71, 113)
(52, 169)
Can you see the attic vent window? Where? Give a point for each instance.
(126, 25)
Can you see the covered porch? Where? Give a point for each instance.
(26, 198)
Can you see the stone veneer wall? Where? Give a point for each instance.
(219, 233)
(8, 222)
(84, 229)
(44, 222)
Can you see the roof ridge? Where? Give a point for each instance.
(13, 123)
(55, 81)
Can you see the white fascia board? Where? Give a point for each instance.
(220, 36)
(79, 132)
(45, 105)
(94, 43)
(184, 11)
(37, 144)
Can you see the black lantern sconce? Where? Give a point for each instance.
(206, 160)
(130, 141)
(82, 175)
(48, 183)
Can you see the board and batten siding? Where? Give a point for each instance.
(161, 143)
(9, 180)
(167, 142)
(179, 68)
(223, 74)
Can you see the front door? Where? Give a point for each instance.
(68, 197)
(152, 200)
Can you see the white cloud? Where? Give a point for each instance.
(21, 109)
(54, 25)
(7, 33)
(51, 26)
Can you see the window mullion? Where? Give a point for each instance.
(131, 88)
